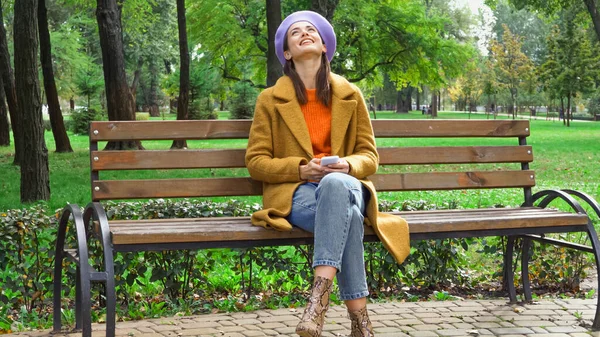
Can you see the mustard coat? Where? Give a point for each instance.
(279, 142)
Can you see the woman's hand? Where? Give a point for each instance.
(313, 171)
(342, 166)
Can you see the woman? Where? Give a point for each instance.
(311, 113)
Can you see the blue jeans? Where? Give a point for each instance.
(334, 211)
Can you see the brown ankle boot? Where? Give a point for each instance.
(360, 323)
(311, 324)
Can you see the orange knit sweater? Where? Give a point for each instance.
(318, 120)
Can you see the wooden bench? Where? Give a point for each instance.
(483, 172)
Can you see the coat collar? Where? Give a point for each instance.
(342, 109)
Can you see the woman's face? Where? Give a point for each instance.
(304, 41)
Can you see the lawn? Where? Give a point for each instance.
(564, 157)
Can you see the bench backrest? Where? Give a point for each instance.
(454, 174)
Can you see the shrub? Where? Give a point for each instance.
(244, 99)
(594, 104)
(142, 116)
(202, 109)
(81, 119)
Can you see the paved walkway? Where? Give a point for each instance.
(549, 318)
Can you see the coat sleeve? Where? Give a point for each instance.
(260, 160)
(365, 159)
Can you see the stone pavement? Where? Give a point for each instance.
(549, 318)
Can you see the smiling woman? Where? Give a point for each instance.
(310, 114)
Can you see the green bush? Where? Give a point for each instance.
(594, 104)
(142, 116)
(199, 281)
(244, 99)
(27, 238)
(202, 109)
(81, 119)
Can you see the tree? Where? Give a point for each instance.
(530, 26)
(184, 71)
(35, 179)
(511, 65)
(8, 80)
(4, 127)
(274, 69)
(571, 66)
(119, 101)
(61, 139)
(554, 6)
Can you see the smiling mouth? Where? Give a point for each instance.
(305, 41)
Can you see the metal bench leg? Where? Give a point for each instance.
(509, 275)
(525, 269)
(59, 256)
(95, 211)
(567, 195)
(595, 245)
(83, 303)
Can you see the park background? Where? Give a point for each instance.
(63, 64)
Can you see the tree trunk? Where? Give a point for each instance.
(136, 81)
(61, 139)
(35, 178)
(418, 100)
(118, 96)
(4, 127)
(403, 100)
(593, 10)
(184, 71)
(8, 79)
(562, 108)
(434, 105)
(274, 68)
(325, 7)
(153, 104)
(568, 111)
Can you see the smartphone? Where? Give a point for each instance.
(329, 160)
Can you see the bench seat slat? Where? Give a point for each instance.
(456, 213)
(219, 129)
(228, 158)
(209, 187)
(239, 229)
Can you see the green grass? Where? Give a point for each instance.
(564, 157)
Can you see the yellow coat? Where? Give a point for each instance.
(279, 142)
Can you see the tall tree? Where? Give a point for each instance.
(571, 67)
(184, 71)
(274, 69)
(35, 178)
(554, 6)
(530, 26)
(512, 65)
(8, 79)
(4, 127)
(119, 101)
(61, 139)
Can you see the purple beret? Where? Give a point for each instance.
(322, 25)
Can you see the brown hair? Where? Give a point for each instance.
(323, 87)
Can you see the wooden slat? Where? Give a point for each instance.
(455, 155)
(157, 130)
(174, 188)
(213, 187)
(240, 229)
(450, 128)
(226, 129)
(452, 180)
(167, 159)
(231, 158)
